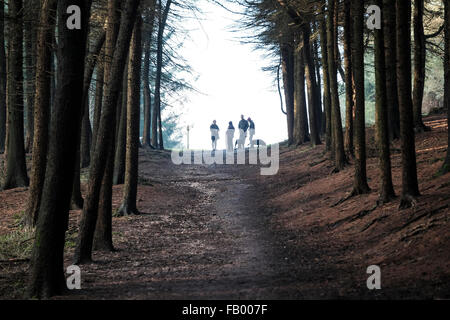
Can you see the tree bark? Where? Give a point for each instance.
(410, 188)
(119, 159)
(311, 85)
(301, 128)
(47, 273)
(148, 31)
(128, 206)
(105, 137)
(287, 63)
(446, 166)
(390, 43)
(30, 7)
(326, 78)
(2, 79)
(419, 65)
(348, 78)
(41, 109)
(99, 84)
(163, 14)
(381, 118)
(16, 169)
(338, 139)
(360, 185)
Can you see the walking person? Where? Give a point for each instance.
(214, 135)
(243, 127)
(251, 130)
(230, 136)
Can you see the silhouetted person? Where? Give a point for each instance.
(214, 135)
(251, 130)
(230, 136)
(243, 127)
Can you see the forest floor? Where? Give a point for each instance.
(226, 232)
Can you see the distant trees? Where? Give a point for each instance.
(287, 27)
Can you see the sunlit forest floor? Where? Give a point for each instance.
(225, 232)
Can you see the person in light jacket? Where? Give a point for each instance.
(251, 130)
(230, 136)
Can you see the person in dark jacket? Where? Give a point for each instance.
(214, 134)
(243, 127)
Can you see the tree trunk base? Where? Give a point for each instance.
(407, 201)
(127, 210)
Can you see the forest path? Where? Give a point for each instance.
(202, 235)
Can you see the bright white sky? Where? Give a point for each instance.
(231, 82)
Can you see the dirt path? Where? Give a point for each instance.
(207, 239)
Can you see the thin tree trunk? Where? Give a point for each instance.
(287, 57)
(2, 79)
(301, 128)
(381, 118)
(41, 110)
(47, 273)
(105, 137)
(148, 31)
(360, 185)
(326, 78)
(320, 113)
(390, 43)
(119, 158)
(128, 206)
(86, 137)
(99, 84)
(30, 7)
(419, 64)
(348, 79)
(337, 138)
(16, 169)
(311, 85)
(410, 188)
(163, 14)
(446, 166)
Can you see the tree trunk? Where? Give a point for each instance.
(105, 137)
(287, 58)
(410, 188)
(360, 185)
(41, 109)
(320, 113)
(99, 84)
(337, 138)
(348, 78)
(30, 22)
(301, 128)
(148, 31)
(381, 118)
(326, 78)
(119, 159)
(16, 169)
(390, 43)
(86, 137)
(446, 166)
(159, 61)
(47, 273)
(2, 79)
(128, 206)
(311, 85)
(419, 64)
